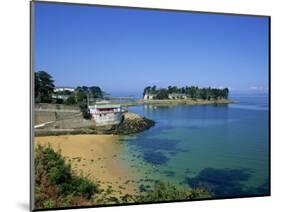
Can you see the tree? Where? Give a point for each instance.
(95, 92)
(162, 94)
(70, 100)
(192, 92)
(203, 93)
(81, 95)
(225, 93)
(153, 90)
(170, 89)
(182, 90)
(83, 92)
(44, 87)
(216, 93)
(174, 89)
(36, 86)
(85, 110)
(146, 90)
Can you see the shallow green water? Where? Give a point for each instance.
(221, 148)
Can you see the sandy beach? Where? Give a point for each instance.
(95, 156)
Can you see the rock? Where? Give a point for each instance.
(131, 124)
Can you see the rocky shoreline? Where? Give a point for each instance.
(131, 124)
(168, 102)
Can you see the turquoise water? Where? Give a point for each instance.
(223, 148)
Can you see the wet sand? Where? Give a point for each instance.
(95, 156)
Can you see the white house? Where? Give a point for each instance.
(60, 89)
(106, 114)
(178, 96)
(149, 96)
(60, 96)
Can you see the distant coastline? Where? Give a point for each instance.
(165, 102)
(175, 102)
(187, 102)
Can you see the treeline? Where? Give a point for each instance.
(43, 87)
(81, 95)
(56, 186)
(45, 91)
(193, 92)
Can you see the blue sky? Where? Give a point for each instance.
(124, 50)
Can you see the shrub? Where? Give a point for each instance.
(70, 100)
(84, 186)
(48, 203)
(85, 111)
(168, 192)
(55, 184)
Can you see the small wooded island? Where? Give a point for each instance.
(185, 95)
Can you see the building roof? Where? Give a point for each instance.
(99, 106)
(102, 101)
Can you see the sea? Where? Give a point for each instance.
(223, 149)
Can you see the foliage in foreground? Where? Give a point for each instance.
(168, 192)
(55, 184)
(160, 192)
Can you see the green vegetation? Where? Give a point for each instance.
(93, 91)
(168, 192)
(71, 100)
(44, 87)
(192, 92)
(55, 184)
(81, 96)
(44, 91)
(85, 110)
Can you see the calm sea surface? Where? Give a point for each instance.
(221, 148)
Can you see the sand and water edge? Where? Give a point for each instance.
(97, 157)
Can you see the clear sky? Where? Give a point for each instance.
(124, 50)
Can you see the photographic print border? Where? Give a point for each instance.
(31, 86)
